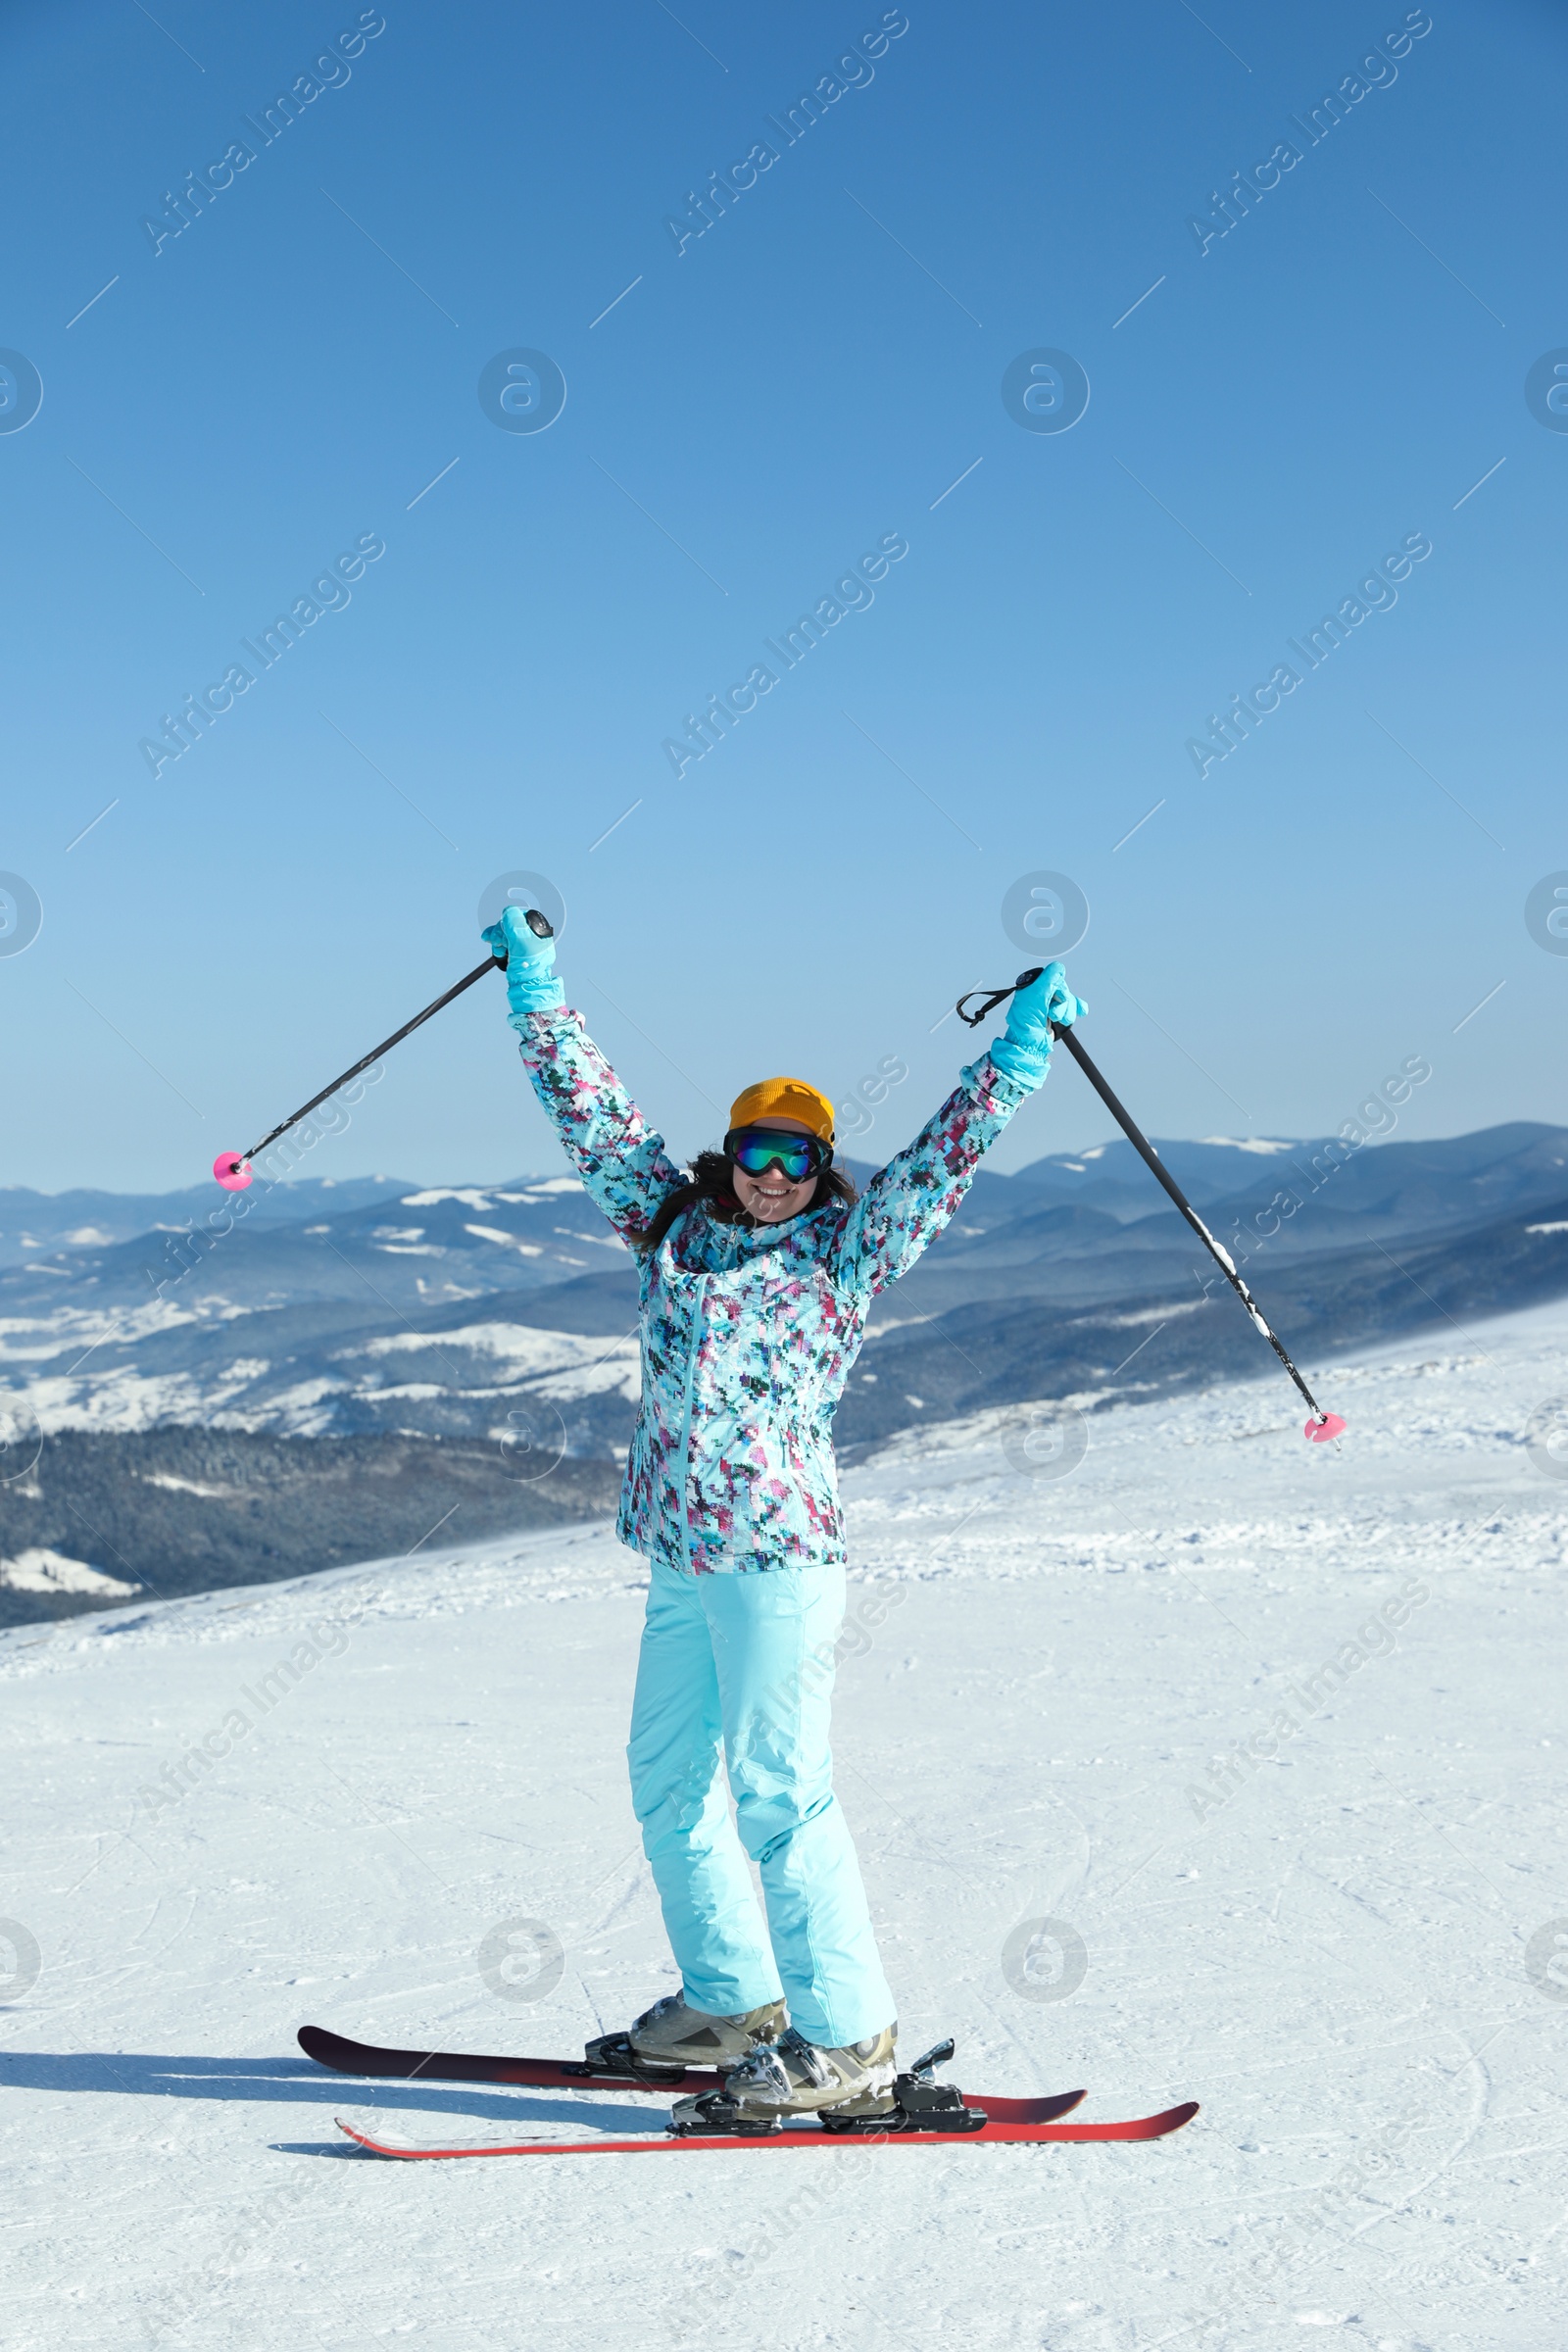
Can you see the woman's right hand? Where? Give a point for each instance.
(531, 983)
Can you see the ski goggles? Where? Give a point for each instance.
(796, 1156)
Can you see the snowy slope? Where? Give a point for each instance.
(1336, 1958)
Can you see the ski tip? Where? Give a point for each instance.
(388, 2144)
(1320, 1432)
(233, 1172)
(1159, 2126)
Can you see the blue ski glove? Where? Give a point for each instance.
(531, 983)
(1024, 1050)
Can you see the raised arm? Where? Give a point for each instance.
(904, 1208)
(623, 1165)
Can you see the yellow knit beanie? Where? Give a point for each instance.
(783, 1099)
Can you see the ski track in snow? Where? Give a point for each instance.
(1036, 1674)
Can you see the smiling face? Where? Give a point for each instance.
(770, 1198)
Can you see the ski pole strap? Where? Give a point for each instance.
(491, 964)
(993, 998)
(1158, 1168)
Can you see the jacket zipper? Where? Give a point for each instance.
(686, 1425)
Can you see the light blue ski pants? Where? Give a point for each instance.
(741, 1666)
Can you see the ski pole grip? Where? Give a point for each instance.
(539, 924)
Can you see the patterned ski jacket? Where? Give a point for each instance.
(748, 1337)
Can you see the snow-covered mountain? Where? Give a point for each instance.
(500, 1320)
(422, 1309)
(33, 1226)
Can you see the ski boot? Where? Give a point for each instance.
(787, 2080)
(672, 2036)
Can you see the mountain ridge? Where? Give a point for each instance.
(447, 1331)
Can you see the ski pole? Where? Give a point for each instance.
(1323, 1425)
(233, 1168)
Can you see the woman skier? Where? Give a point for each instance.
(757, 1273)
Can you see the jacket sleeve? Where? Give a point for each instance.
(904, 1208)
(623, 1165)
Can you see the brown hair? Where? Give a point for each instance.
(711, 1183)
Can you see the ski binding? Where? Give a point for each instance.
(920, 2104)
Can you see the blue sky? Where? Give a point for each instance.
(1285, 406)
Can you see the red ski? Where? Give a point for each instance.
(346, 2057)
(1144, 2126)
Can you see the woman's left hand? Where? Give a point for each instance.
(1024, 1050)
(1046, 1000)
